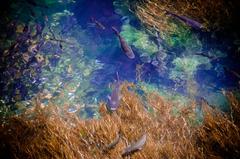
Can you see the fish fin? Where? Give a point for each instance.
(109, 97)
(115, 30)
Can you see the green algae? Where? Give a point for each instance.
(73, 64)
(169, 95)
(139, 39)
(185, 67)
(183, 37)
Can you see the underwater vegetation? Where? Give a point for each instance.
(138, 39)
(152, 131)
(215, 16)
(205, 12)
(66, 69)
(40, 55)
(185, 67)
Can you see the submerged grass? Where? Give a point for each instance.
(51, 132)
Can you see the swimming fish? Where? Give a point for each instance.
(113, 143)
(98, 24)
(125, 47)
(190, 22)
(115, 97)
(135, 146)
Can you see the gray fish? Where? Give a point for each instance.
(190, 22)
(135, 146)
(98, 24)
(125, 47)
(115, 97)
(113, 143)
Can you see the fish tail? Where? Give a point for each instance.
(115, 30)
(170, 13)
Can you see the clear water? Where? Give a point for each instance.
(80, 73)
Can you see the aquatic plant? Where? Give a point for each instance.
(186, 67)
(57, 16)
(214, 136)
(53, 132)
(166, 93)
(122, 9)
(183, 37)
(213, 14)
(138, 39)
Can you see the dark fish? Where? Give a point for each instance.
(127, 49)
(190, 22)
(115, 97)
(135, 146)
(98, 24)
(113, 143)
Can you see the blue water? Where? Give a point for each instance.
(102, 47)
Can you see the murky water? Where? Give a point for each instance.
(79, 59)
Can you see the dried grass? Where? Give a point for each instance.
(213, 14)
(51, 132)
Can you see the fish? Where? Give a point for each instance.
(125, 47)
(114, 142)
(135, 146)
(98, 24)
(190, 22)
(115, 97)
